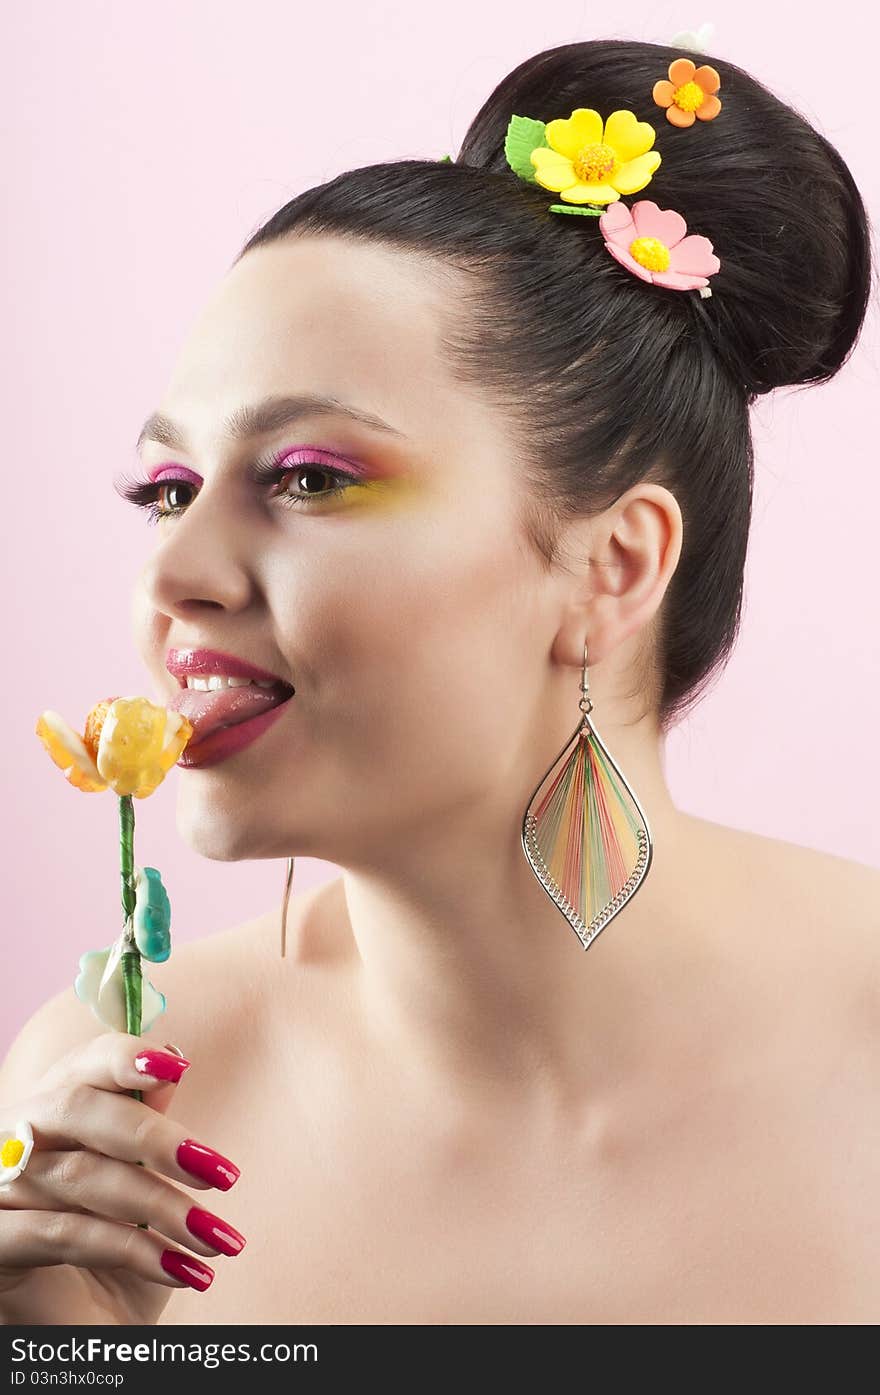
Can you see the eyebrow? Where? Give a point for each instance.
(268, 415)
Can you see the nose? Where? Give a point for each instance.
(204, 556)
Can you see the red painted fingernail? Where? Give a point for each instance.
(161, 1064)
(190, 1270)
(214, 1231)
(204, 1163)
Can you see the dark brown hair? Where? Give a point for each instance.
(607, 380)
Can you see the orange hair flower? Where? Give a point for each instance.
(689, 94)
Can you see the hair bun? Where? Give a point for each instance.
(774, 196)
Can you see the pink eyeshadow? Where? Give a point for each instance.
(178, 472)
(321, 453)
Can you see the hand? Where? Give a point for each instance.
(71, 1249)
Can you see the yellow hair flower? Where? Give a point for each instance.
(581, 158)
(129, 744)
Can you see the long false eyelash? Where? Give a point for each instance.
(144, 494)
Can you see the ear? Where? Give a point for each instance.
(621, 563)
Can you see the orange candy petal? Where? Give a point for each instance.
(678, 117)
(709, 110)
(681, 71)
(663, 92)
(708, 78)
(94, 725)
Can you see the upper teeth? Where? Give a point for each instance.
(219, 680)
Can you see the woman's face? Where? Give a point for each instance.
(409, 611)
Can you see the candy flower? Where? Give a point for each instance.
(15, 1149)
(688, 95)
(579, 158)
(100, 984)
(652, 243)
(129, 745)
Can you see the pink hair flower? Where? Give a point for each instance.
(652, 243)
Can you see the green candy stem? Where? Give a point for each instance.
(132, 976)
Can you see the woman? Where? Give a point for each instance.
(441, 1111)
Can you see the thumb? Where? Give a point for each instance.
(159, 1096)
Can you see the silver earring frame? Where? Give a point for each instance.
(586, 731)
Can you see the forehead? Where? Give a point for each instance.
(358, 322)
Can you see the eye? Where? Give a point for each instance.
(152, 495)
(315, 469)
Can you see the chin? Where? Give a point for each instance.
(227, 835)
(219, 842)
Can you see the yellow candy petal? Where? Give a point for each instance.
(178, 731)
(140, 741)
(629, 136)
(636, 173)
(69, 753)
(583, 127)
(552, 171)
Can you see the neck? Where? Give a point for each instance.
(469, 974)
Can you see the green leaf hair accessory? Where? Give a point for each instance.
(445, 160)
(523, 136)
(584, 160)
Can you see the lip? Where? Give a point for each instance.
(192, 663)
(226, 741)
(210, 711)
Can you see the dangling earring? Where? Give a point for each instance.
(584, 832)
(287, 887)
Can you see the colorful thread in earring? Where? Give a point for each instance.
(584, 832)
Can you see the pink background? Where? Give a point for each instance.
(143, 146)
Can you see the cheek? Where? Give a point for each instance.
(415, 661)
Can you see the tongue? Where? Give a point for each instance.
(225, 707)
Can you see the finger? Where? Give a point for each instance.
(114, 1061)
(159, 1096)
(30, 1239)
(82, 1116)
(120, 1191)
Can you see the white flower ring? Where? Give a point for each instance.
(16, 1147)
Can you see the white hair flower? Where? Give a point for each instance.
(697, 41)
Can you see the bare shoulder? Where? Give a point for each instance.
(807, 907)
(57, 1026)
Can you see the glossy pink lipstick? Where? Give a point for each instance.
(226, 741)
(225, 719)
